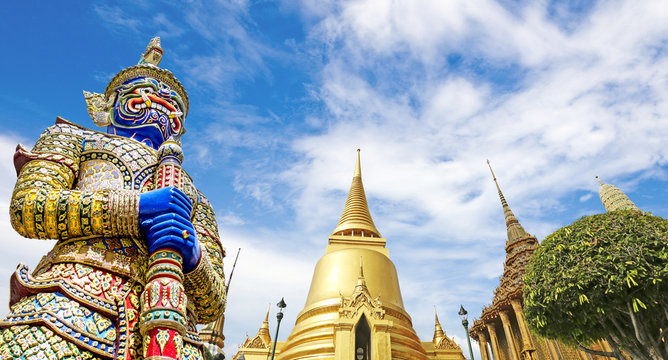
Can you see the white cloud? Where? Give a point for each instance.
(116, 18)
(265, 272)
(590, 99)
(230, 219)
(581, 107)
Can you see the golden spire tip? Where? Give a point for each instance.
(358, 170)
(599, 180)
(361, 268)
(356, 219)
(490, 169)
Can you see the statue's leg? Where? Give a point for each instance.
(50, 322)
(74, 309)
(38, 342)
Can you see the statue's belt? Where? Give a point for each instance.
(129, 261)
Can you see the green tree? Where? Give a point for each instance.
(603, 277)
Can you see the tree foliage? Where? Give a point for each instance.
(603, 277)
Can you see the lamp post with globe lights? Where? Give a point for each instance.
(279, 316)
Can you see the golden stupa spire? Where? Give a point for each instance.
(361, 281)
(264, 328)
(515, 229)
(356, 219)
(613, 198)
(439, 334)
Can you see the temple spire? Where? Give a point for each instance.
(356, 219)
(361, 268)
(513, 226)
(361, 281)
(264, 328)
(439, 334)
(613, 198)
(358, 170)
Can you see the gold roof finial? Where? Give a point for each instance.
(361, 282)
(264, 328)
(358, 170)
(356, 219)
(613, 198)
(513, 226)
(599, 180)
(439, 334)
(361, 268)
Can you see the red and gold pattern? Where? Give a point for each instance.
(82, 188)
(164, 302)
(164, 305)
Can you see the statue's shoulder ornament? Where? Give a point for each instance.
(60, 143)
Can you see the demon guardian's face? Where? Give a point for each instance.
(147, 110)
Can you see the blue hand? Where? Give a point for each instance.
(164, 216)
(165, 200)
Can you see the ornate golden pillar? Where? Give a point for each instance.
(482, 342)
(382, 340)
(491, 328)
(528, 348)
(343, 337)
(510, 339)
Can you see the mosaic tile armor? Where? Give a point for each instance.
(82, 187)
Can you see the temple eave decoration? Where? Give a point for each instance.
(441, 343)
(259, 346)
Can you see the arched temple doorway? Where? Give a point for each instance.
(362, 339)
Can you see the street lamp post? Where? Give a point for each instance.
(465, 321)
(279, 316)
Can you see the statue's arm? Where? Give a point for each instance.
(205, 285)
(43, 204)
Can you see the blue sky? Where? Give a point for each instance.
(282, 93)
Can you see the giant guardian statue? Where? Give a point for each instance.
(138, 262)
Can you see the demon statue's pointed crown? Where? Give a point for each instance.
(143, 100)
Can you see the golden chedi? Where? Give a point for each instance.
(354, 308)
